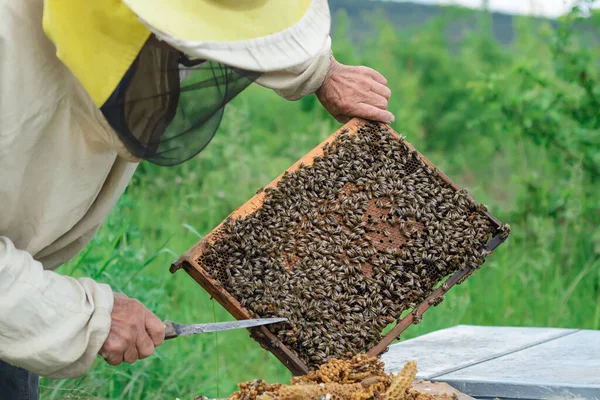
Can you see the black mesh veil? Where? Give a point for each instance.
(164, 117)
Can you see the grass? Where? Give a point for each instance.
(547, 274)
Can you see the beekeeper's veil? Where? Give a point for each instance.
(132, 57)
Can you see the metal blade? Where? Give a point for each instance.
(191, 329)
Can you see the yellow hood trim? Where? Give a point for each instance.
(97, 40)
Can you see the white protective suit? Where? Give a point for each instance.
(62, 169)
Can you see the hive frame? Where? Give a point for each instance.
(261, 334)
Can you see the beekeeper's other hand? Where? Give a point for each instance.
(134, 332)
(349, 92)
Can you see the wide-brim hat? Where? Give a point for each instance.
(98, 40)
(257, 35)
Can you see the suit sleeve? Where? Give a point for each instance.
(299, 81)
(50, 324)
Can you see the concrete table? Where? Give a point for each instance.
(506, 362)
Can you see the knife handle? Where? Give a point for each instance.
(170, 331)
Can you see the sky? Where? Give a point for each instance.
(546, 8)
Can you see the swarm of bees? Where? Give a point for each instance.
(343, 246)
(360, 378)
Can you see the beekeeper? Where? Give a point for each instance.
(88, 89)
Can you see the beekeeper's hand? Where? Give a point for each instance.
(349, 92)
(134, 332)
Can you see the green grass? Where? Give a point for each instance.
(481, 115)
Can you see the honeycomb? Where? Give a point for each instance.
(401, 382)
(359, 378)
(361, 369)
(343, 246)
(335, 391)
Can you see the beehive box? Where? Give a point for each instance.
(343, 243)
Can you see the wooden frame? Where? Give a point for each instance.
(269, 341)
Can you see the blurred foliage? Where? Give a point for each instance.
(517, 125)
